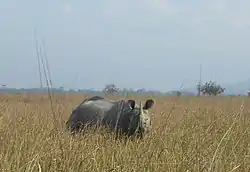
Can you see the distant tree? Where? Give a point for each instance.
(110, 89)
(211, 88)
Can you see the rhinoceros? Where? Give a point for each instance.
(123, 116)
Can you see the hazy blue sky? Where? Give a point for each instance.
(155, 44)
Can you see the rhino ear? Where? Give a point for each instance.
(131, 103)
(149, 104)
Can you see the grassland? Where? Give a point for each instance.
(198, 134)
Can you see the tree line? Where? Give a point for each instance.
(210, 88)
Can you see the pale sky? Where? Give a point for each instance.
(152, 44)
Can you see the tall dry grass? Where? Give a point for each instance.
(200, 134)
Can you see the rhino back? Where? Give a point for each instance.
(90, 111)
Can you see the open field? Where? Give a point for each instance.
(198, 134)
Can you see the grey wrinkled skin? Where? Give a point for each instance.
(123, 116)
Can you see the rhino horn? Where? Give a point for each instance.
(141, 108)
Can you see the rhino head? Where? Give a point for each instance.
(140, 121)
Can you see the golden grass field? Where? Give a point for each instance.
(198, 134)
